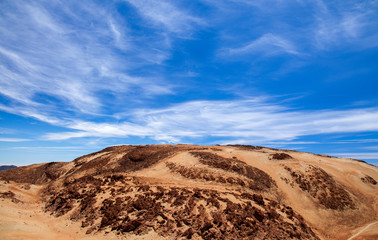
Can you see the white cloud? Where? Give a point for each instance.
(167, 15)
(49, 148)
(67, 135)
(13, 140)
(43, 19)
(6, 130)
(348, 24)
(266, 143)
(116, 32)
(252, 120)
(370, 155)
(34, 113)
(67, 60)
(262, 5)
(375, 148)
(59, 72)
(357, 141)
(268, 45)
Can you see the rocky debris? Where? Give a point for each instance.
(82, 191)
(145, 156)
(212, 176)
(10, 195)
(280, 156)
(261, 180)
(133, 158)
(246, 147)
(322, 187)
(368, 179)
(80, 160)
(133, 207)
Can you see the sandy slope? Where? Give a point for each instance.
(370, 231)
(27, 220)
(346, 171)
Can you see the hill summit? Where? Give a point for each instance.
(191, 192)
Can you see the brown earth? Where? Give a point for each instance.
(191, 192)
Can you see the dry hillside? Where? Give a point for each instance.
(191, 192)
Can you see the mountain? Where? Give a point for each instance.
(6, 167)
(191, 192)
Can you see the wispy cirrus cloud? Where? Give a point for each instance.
(6, 130)
(100, 71)
(35, 113)
(252, 120)
(49, 148)
(167, 16)
(267, 45)
(349, 23)
(370, 155)
(78, 58)
(375, 148)
(14, 140)
(328, 26)
(353, 141)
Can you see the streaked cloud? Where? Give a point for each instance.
(357, 141)
(370, 155)
(64, 57)
(95, 73)
(349, 23)
(37, 148)
(6, 130)
(251, 120)
(14, 140)
(327, 26)
(374, 148)
(167, 16)
(267, 45)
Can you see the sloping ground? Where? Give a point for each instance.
(369, 231)
(199, 192)
(23, 217)
(138, 207)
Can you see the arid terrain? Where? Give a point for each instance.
(191, 192)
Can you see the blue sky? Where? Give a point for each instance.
(77, 76)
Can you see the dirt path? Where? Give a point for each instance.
(362, 230)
